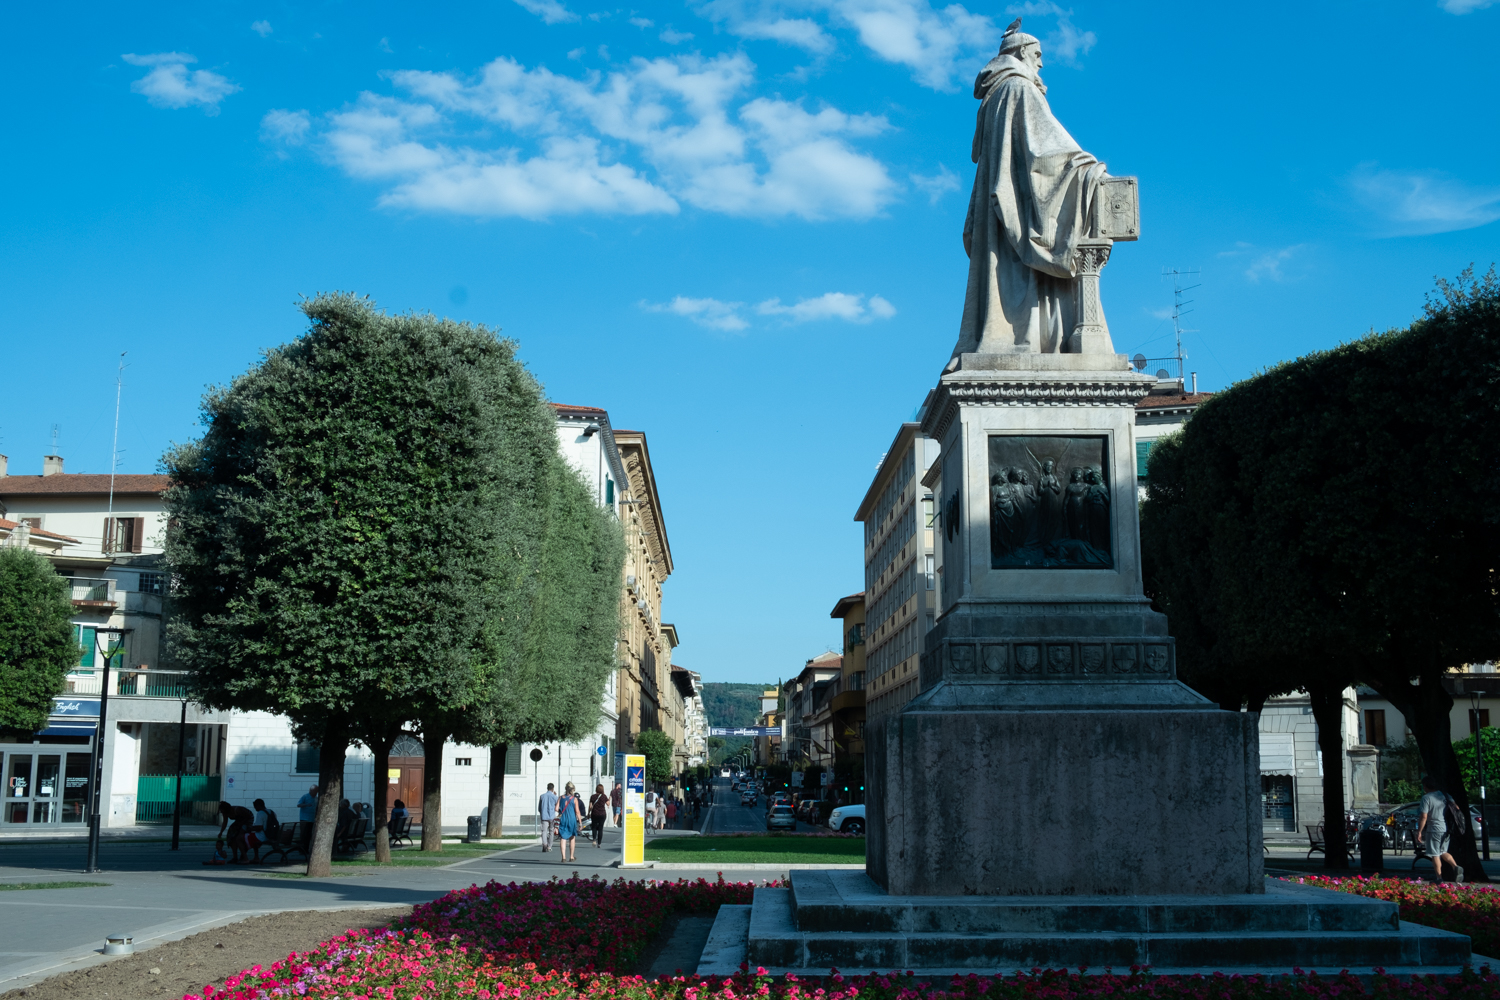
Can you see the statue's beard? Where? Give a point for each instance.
(1039, 84)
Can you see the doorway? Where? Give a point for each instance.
(407, 770)
(44, 788)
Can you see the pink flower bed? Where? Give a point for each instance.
(579, 937)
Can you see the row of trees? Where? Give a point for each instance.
(1336, 520)
(377, 533)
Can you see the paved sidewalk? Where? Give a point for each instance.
(158, 895)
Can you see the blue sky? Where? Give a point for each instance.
(735, 225)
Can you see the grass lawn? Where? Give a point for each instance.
(772, 848)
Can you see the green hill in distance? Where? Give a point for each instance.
(728, 704)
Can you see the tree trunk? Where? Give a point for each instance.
(433, 744)
(495, 816)
(382, 749)
(331, 750)
(1328, 711)
(1428, 710)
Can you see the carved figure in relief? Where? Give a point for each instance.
(1097, 506)
(1074, 504)
(1050, 507)
(1033, 203)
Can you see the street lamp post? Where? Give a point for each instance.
(181, 766)
(97, 765)
(1484, 818)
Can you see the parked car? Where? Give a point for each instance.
(848, 819)
(747, 797)
(781, 817)
(805, 808)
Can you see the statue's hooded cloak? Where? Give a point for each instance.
(1032, 201)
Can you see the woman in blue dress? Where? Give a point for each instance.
(569, 820)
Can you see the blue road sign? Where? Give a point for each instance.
(601, 751)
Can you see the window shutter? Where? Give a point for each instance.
(86, 651)
(107, 541)
(1142, 449)
(137, 533)
(513, 758)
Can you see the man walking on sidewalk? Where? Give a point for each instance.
(546, 808)
(1432, 831)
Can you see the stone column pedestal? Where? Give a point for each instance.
(1052, 750)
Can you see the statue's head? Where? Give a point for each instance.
(1047, 466)
(1093, 476)
(1027, 48)
(1076, 476)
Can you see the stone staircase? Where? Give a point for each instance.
(843, 920)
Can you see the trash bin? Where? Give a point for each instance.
(473, 837)
(1371, 851)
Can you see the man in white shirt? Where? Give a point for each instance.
(1432, 832)
(547, 809)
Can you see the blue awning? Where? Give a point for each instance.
(68, 729)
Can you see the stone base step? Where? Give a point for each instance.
(839, 901)
(727, 949)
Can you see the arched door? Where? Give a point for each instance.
(405, 776)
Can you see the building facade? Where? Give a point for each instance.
(900, 602)
(847, 706)
(105, 535)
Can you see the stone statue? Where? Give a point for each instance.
(1038, 219)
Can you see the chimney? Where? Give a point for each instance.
(1195, 383)
(4, 466)
(51, 465)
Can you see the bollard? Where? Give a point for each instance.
(119, 944)
(473, 836)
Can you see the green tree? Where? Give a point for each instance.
(657, 747)
(344, 536)
(1468, 761)
(1322, 522)
(37, 645)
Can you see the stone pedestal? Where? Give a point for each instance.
(1052, 751)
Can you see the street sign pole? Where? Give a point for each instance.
(181, 765)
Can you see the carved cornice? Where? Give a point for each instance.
(1029, 391)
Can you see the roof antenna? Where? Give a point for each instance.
(55, 429)
(114, 451)
(1178, 273)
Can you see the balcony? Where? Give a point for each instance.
(131, 683)
(92, 592)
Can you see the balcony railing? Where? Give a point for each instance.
(92, 589)
(132, 683)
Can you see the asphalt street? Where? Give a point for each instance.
(728, 816)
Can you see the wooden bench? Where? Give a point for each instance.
(353, 839)
(289, 840)
(400, 830)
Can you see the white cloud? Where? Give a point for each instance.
(1063, 44)
(832, 305)
(642, 22)
(711, 313)
(1462, 7)
(934, 44)
(286, 127)
(261, 28)
(765, 22)
(385, 45)
(171, 85)
(1268, 265)
(936, 185)
(672, 37)
(1420, 202)
(550, 11)
(637, 140)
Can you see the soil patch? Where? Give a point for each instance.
(169, 971)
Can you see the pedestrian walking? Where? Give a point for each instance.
(598, 813)
(661, 812)
(546, 809)
(616, 798)
(672, 813)
(1432, 830)
(569, 822)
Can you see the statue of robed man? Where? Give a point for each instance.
(1033, 203)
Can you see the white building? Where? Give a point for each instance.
(105, 534)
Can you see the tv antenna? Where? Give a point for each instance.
(55, 429)
(114, 450)
(1178, 274)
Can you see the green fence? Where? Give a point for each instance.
(155, 793)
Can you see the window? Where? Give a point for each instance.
(931, 570)
(609, 492)
(609, 758)
(463, 761)
(85, 636)
(153, 583)
(1142, 449)
(1375, 726)
(1482, 721)
(513, 758)
(123, 534)
(307, 758)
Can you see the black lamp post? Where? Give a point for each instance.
(1484, 817)
(97, 766)
(181, 765)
